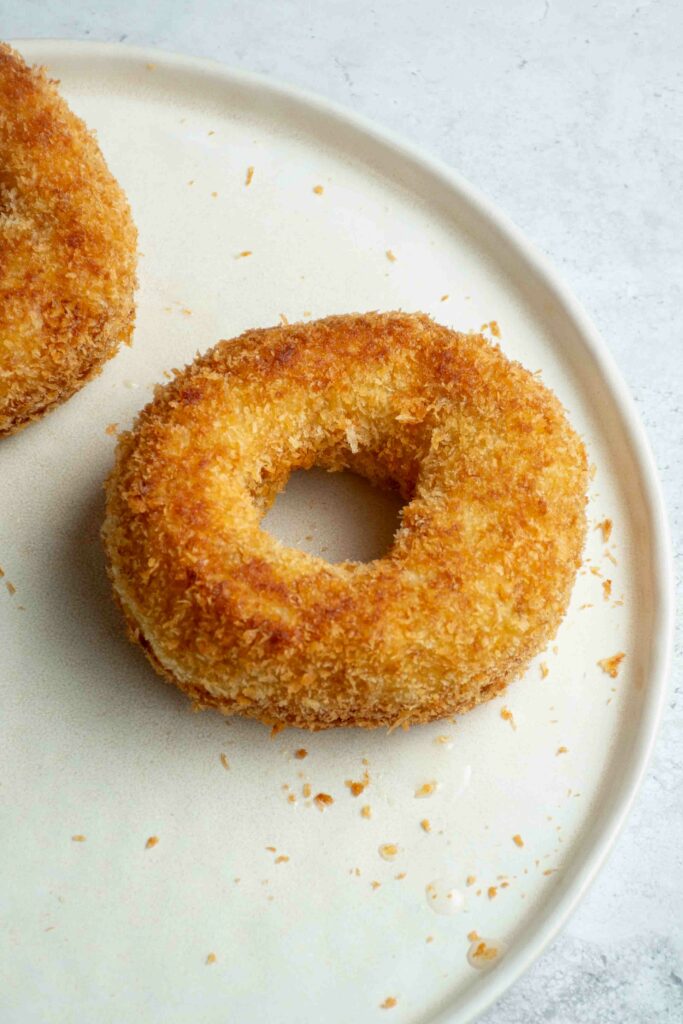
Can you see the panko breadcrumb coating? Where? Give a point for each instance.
(67, 249)
(481, 568)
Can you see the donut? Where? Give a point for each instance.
(482, 564)
(67, 249)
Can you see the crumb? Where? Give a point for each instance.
(191, 181)
(306, 789)
(492, 892)
(544, 670)
(611, 665)
(307, 312)
(550, 871)
(225, 762)
(243, 254)
(426, 789)
(152, 841)
(426, 825)
(375, 885)
(214, 195)
(2, 572)
(606, 589)
(507, 716)
(277, 729)
(400, 876)
(11, 588)
(430, 938)
(606, 529)
(561, 750)
(111, 428)
(284, 321)
(358, 787)
(150, 67)
(271, 849)
(388, 1003)
(592, 471)
(291, 799)
(517, 840)
(484, 952)
(444, 297)
(323, 800)
(390, 256)
(211, 958)
(495, 329)
(282, 859)
(318, 189)
(250, 175)
(366, 811)
(581, 607)
(470, 880)
(78, 839)
(186, 312)
(300, 754)
(388, 851)
(443, 739)
(595, 571)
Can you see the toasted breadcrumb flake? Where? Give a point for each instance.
(507, 716)
(390, 256)
(366, 811)
(225, 762)
(282, 859)
(473, 936)
(323, 800)
(250, 175)
(561, 750)
(111, 428)
(388, 1003)
(306, 790)
(301, 753)
(517, 840)
(492, 892)
(211, 958)
(484, 952)
(426, 825)
(444, 297)
(10, 588)
(152, 841)
(243, 254)
(426, 789)
(318, 189)
(375, 885)
(606, 589)
(605, 527)
(78, 838)
(388, 851)
(470, 880)
(611, 665)
(544, 670)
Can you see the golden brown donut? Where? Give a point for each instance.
(482, 565)
(67, 249)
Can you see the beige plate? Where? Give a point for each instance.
(95, 744)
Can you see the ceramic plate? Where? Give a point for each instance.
(306, 920)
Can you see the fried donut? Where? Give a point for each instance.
(67, 249)
(481, 568)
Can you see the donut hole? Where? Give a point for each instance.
(340, 516)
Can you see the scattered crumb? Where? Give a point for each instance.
(357, 788)
(426, 789)
(243, 254)
(186, 312)
(606, 528)
(388, 1003)
(366, 811)
(550, 871)
(606, 589)
(250, 176)
(388, 851)
(544, 670)
(470, 880)
(282, 859)
(284, 321)
(276, 729)
(430, 938)
(214, 195)
(11, 588)
(390, 256)
(611, 665)
(291, 799)
(306, 789)
(517, 840)
(561, 750)
(583, 606)
(473, 937)
(271, 849)
(507, 716)
(400, 876)
(307, 312)
(495, 329)
(191, 181)
(426, 825)
(211, 958)
(492, 892)
(78, 839)
(150, 67)
(225, 762)
(152, 841)
(375, 885)
(2, 572)
(592, 471)
(323, 800)
(301, 753)
(111, 428)
(445, 297)
(318, 189)
(482, 953)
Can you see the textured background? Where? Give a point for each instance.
(569, 116)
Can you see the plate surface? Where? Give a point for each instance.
(96, 745)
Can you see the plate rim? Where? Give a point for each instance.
(533, 262)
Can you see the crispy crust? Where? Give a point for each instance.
(67, 249)
(481, 569)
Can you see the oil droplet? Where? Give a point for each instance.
(484, 954)
(444, 897)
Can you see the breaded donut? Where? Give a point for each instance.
(67, 249)
(481, 568)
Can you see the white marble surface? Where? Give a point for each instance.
(569, 115)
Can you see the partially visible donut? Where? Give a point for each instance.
(481, 568)
(67, 249)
